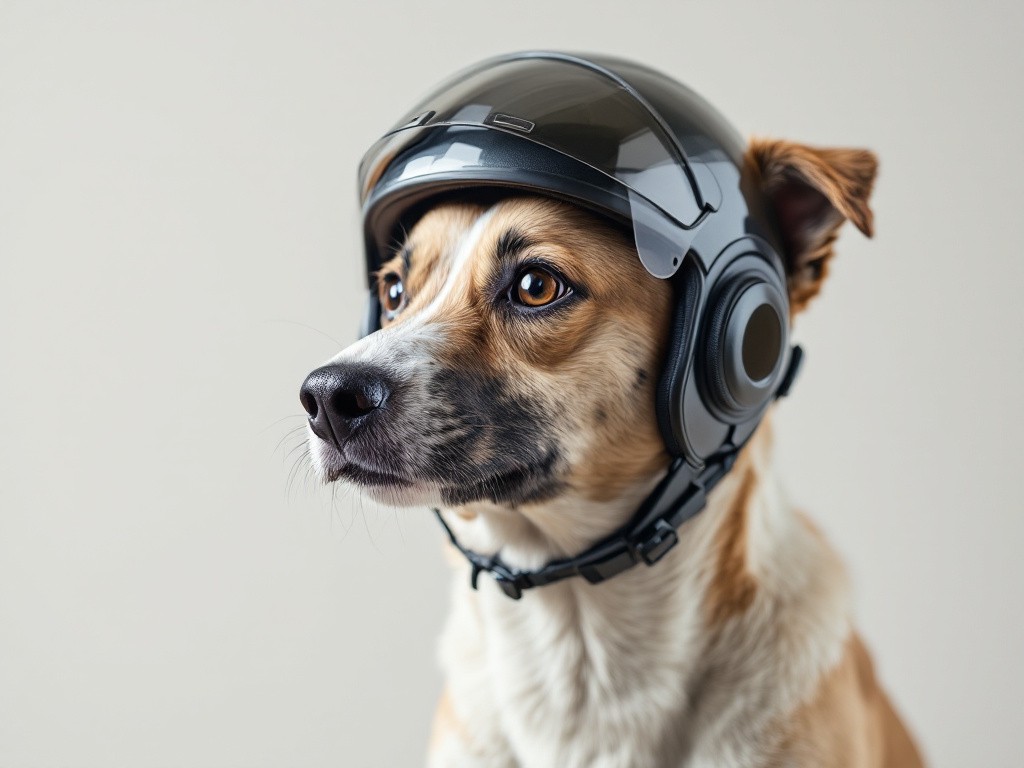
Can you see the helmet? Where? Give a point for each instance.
(637, 147)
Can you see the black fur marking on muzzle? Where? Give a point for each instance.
(523, 485)
(496, 442)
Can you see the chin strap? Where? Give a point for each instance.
(680, 495)
(652, 532)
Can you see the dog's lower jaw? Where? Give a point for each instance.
(693, 661)
(532, 534)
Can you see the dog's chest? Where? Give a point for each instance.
(631, 672)
(576, 681)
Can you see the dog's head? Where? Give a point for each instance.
(517, 358)
(521, 343)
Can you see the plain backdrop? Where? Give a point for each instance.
(179, 247)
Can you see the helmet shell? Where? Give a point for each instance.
(608, 134)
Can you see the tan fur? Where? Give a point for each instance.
(844, 719)
(572, 354)
(429, 249)
(840, 718)
(849, 722)
(736, 649)
(815, 189)
(732, 587)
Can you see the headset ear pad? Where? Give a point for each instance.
(745, 345)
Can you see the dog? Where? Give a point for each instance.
(512, 387)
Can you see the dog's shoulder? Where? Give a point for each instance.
(849, 721)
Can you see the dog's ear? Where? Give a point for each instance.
(813, 191)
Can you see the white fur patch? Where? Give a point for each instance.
(419, 335)
(628, 673)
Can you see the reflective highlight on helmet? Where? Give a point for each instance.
(564, 104)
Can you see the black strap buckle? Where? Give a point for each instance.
(657, 544)
(510, 582)
(509, 586)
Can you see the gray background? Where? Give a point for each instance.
(178, 240)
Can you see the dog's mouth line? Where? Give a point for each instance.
(494, 484)
(500, 485)
(366, 476)
(363, 475)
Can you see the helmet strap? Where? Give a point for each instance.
(646, 538)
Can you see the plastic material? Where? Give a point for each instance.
(640, 148)
(630, 144)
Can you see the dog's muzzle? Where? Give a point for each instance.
(341, 398)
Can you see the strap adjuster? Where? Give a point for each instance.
(512, 583)
(658, 543)
(509, 586)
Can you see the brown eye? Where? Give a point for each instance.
(536, 287)
(392, 294)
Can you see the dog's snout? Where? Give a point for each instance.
(340, 397)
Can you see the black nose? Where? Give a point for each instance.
(339, 398)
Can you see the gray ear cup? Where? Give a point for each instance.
(745, 345)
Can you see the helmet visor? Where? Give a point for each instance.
(567, 105)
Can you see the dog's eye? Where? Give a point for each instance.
(537, 287)
(392, 294)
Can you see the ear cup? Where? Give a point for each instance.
(744, 347)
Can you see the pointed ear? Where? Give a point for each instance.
(813, 191)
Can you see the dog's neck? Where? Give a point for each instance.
(529, 536)
(627, 645)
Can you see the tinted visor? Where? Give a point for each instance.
(568, 105)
